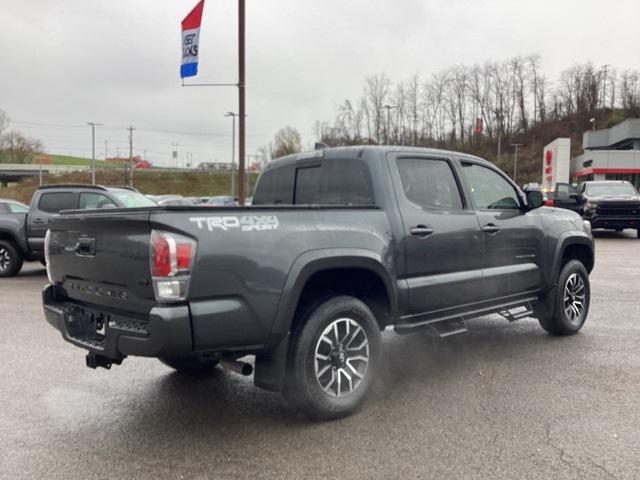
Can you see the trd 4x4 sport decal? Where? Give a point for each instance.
(246, 223)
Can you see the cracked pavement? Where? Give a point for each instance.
(503, 401)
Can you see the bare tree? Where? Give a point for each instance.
(21, 149)
(286, 141)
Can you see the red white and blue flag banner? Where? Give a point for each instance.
(190, 37)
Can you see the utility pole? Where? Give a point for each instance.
(131, 129)
(515, 161)
(93, 126)
(388, 107)
(106, 149)
(499, 117)
(241, 99)
(605, 68)
(233, 151)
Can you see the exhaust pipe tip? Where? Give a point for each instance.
(242, 368)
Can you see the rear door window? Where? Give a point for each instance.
(54, 202)
(94, 200)
(348, 183)
(429, 183)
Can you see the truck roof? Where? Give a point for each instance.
(67, 186)
(359, 151)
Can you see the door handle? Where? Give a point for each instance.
(421, 231)
(491, 229)
(39, 220)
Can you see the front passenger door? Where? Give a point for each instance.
(512, 236)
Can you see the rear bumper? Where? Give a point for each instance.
(165, 332)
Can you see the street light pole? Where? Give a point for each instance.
(93, 126)
(131, 129)
(515, 160)
(233, 151)
(241, 99)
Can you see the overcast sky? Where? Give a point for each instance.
(116, 62)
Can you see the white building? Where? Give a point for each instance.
(610, 154)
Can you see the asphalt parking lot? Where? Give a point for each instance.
(502, 401)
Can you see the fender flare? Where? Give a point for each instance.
(14, 238)
(565, 240)
(315, 261)
(271, 365)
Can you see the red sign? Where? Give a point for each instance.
(549, 157)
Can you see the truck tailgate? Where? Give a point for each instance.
(103, 259)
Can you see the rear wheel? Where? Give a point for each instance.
(335, 356)
(195, 363)
(571, 305)
(11, 259)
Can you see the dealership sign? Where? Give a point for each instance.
(190, 38)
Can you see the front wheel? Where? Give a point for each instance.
(335, 355)
(571, 304)
(11, 259)
(638, 233)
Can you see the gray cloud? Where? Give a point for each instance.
(117, 61)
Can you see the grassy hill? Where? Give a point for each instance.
(72, 160)
(149, 182)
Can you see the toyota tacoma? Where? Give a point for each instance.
(338, 245)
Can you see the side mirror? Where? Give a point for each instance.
(535, 198)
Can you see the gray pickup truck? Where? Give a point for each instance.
(338, 245)
(22, 232)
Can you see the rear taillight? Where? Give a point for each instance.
(47, 256)
(171, 258)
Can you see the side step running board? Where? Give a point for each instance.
(517, 313)
(447, 329)
(455, 323)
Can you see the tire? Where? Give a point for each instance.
(573, 289)
(638, 233)
(191, 364)
(337, 341)
(11, 259)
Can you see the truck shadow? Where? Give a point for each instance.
(225, 404)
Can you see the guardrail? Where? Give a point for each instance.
(49, 168)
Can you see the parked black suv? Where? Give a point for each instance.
(22, 234)
(338, 245)
(609, 204)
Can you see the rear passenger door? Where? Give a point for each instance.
(442, 239)
(48, 205)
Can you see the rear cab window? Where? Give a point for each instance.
(329, 182)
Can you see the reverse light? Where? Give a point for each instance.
(171, 258)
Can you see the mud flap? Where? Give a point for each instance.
(271, 367)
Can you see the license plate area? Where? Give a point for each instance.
(87, 326)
